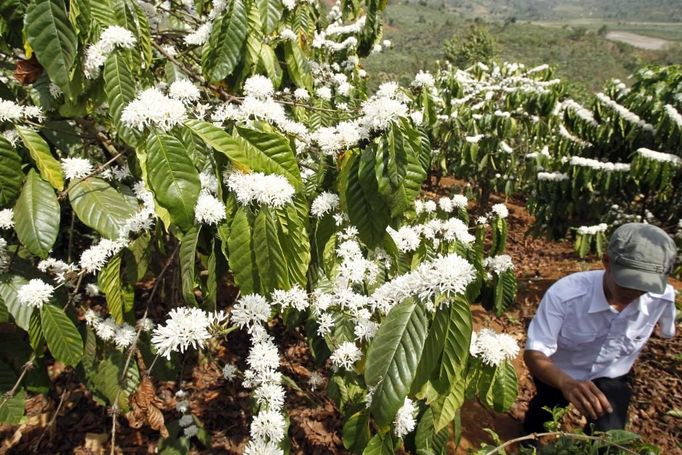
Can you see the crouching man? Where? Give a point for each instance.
(591, 326)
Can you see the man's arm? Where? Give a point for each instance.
(584, 395)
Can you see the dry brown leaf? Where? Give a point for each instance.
(28, 71)
(145, 407)
(95, 442)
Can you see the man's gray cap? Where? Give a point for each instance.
(641, 257)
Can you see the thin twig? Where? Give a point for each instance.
(536, 436)
(52, 420)
(24, 370)
(133, 348)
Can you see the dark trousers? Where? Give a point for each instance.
(617, 391)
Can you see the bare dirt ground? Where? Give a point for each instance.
(80, 426)
(640, 41)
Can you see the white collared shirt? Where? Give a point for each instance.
(585, 337)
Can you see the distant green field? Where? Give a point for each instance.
(580, 55)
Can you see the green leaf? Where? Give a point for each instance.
(104, 380)
(298, 66)
(456, 342)
(188, 257)
(504, 387)
(48, 166)
(173, 178)
(380, 444)
(50, 35)
(120, 89)
(293, 237)
(267, 152)
(109, 280)
(13, 410)
(223, 52)
(242, 258)
(393, 356)
(272, 265)
(62, 336)
(446, 406)
(427, 440)
(9, 285)
(271, 11)
(11, 174)
(433, 349)
(356, 432)
(99, 206)
(360, 195)
(37, 215)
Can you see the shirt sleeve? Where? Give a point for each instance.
(667, 321)
(543, 331)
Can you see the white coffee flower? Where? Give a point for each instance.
(35, 293)
(315, 380)
(184, 327)
(230, 372)
(324, 203)
(6, 219)
(251, 309)
(259, 87)
(272, 190)
(209, 209)
(500, 210)
(499, 264)
(405, 422)
(495, 348)
(261, 447)
(295, 297)
(152, 108)
(268, 425)
(76, 168)
(301, 94)
(346, 355)
(184, 91)
(124, 336)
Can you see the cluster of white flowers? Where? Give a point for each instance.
(674, 115)
(272, 190)
(153, 108)
(6, 219)
(592, 230)
(35, 293)
(96, 54)
(295, 298)
(201, 34)
(345, 355)
(506, 148)
(343, 136)
(571, 137)
(624, 112)
(500, 210)
(184, 90)
(424, 206)
(95, 258)
(552, 176)
(184, 327)
(424, 79)
(250, 310)
(12, 112)
(4, 256)
(324, 203)
(382, 109)
(60, 269)
(599, 165)
(660, 156)
(76, 168)
(122, 335)
(499, 264)
(405, 422)
(583, 113)
(268, 426)
(230, 372)
(354, 267)
(493, 348)
(445, 275)
(406, 238)
(209, 209)
(474, 139)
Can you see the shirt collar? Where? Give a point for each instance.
(599, 302)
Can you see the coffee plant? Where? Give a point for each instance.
(174, 173)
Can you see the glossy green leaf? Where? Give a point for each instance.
(504, 387)
(99, 206)
(51, 37)
(380, 444)
(242, 258)
(110, 282)
(120, 89)
(456, 341)
(9, 285)
(393, 356)
(272, 265)
(223, 51)
(37, 215)
(62, 336)
(187, 257)
(427, 440)
(48, 166)
(445, 407)
(356, 433)
(298, 67)
(13, 410)
(173, 178)
(11, 174)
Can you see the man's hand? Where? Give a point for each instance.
(586, 397)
